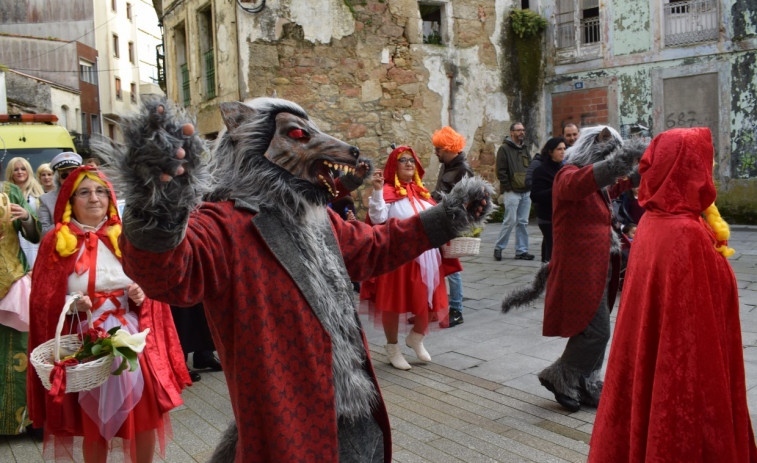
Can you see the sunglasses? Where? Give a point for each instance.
(406, 160)
(63, 174)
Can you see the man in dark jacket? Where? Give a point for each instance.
(448, 147)
(513, 160)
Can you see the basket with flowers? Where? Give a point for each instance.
(83, 361)
(466, 245)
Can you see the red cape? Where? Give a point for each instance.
(674, 388)
(49, 282)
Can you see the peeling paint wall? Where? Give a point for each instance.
(636, 60)
(744, 111)
(184, 16)
(631, 28)
(635, 106)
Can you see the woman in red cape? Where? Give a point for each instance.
(130, 409)
(674, 388)
(417, 287)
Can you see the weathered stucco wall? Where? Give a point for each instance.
(365, 76)
(631, 31)
(635, 58)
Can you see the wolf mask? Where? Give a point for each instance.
(282, 133)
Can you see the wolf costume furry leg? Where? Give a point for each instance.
(272, 265)
(581, 279)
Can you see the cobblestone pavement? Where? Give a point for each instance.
(479, 401)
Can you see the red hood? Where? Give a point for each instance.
(66, 190)
(676, 172)
(390, 171)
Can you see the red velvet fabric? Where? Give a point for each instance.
(166, 365)
(581, 221)
(674, 388)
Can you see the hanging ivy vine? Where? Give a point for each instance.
(523, 69)
(526, 23)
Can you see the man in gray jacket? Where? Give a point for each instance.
(513, 160)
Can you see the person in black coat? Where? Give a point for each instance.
(551, 155)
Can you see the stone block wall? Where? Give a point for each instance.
(377, 84)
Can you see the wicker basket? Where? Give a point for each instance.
(461, 247)
(82, 377)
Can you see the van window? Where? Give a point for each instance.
(35, 156)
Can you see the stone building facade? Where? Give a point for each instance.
(659, 65)
(371, 72)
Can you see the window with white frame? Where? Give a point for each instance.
(87, 72)
(690, 21)
(577, 23)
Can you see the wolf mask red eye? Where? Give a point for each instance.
(297, 133)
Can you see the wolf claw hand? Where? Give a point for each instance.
(158, 171)
(469, 202)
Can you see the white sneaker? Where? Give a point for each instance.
(415, 340)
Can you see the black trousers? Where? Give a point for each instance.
(546, 243)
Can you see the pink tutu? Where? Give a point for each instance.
(14, 307)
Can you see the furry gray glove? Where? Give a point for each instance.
(620, 161)
(469, 202)
(160, 145)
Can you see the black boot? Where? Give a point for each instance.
(206, 360)
(590, 391)
(568, 403)
(455, 317)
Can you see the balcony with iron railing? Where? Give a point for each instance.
(691, 21)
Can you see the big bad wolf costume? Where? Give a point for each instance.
(675, 388)
(584, 270)
(276, 265)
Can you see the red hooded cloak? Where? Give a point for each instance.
(674, 388)
(163, 354)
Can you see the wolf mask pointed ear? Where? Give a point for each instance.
(604, 135)
(234, 113)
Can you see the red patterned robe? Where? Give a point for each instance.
(581, 254)
(259, 303)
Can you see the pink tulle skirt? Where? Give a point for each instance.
(14, 307)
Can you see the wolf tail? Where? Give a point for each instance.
(226, 449)
(526, 294)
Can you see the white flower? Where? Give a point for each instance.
(135, 342)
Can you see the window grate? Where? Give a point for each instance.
(590, 30)
(210, 74)
(185, 84)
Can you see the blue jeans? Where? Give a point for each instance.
(455, 282)
(517, 208)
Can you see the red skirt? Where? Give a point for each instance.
(403, 291)
(67, 425)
